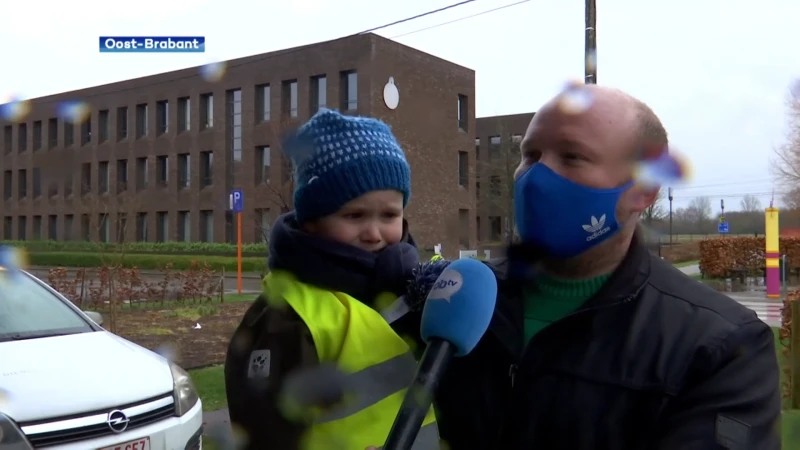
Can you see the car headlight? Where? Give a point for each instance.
(182, 390)
(11, 437)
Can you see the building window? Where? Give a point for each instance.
(290, 98)
(184, 226)
(69, 220)
(477, 149)
(8, 184)
(463, 112)
(477, 190)
(206, 111)
(207, 226)
(263, 225)
(494, 144)
(8, 224)
(122, 123)
(263, 163)
(52, 189)
(122, 227)
(102, 126)
(22, 137)
(463, 228)
(52, 133)
(349, 90)
(102, 177)
(162, 117)
(319, 93)
(162, 226)
(22, 228)
(8, 139)
(495, 186)
(495, 228)
(141, 227)
(52, 228)
(37, 182)
(86, 230)
(263, 106)
(206, 168)
(141, 120)
(86, 178)
(286, 169)
(184, 170)
(235, 111)
(37, 135)
(184, 114)
(162, 170)
(122, 175)
(104, 227)
(69, 133)
(37, 228)
(86, 131)
(22, 183)
(142, 174)
(68, 184)
(463, 168)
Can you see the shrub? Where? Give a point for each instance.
(143, 261)
(199, 248)
(718, 256)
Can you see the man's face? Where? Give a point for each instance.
(594, 148)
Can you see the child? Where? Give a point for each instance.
(333, 262)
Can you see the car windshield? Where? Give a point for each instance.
(29, 310)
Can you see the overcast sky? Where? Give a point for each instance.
(716, 71)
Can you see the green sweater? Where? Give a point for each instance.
(552, 298)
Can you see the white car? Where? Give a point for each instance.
(68, 384)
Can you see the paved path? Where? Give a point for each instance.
(690, 270)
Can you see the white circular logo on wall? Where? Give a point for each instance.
(391, 96)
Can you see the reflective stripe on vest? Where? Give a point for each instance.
(379, 364)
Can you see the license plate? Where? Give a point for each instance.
(138, 444)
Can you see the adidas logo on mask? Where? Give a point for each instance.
(597, 228)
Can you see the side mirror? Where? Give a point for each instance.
(95, 316)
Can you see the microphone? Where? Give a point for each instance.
(456, 314)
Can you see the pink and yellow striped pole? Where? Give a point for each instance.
(773, 253)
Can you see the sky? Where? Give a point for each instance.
(717, 72)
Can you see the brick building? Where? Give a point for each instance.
(497, 156)
(156, 157)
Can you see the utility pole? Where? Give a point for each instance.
(669, 193)
(590, 50)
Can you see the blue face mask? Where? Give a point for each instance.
(561, 216)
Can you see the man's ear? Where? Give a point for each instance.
(641, 197)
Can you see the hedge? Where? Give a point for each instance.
(718, 256)
(176, 247)
(141, 261)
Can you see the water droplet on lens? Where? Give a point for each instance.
(575, 99)
(213, 72)
(168, 351)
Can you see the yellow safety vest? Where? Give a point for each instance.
(436, 258)
(361, 343)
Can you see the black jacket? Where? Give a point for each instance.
(654, 361)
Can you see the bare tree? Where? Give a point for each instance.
(786, 164)
(655, 211)
(497, 168)
(751, 203)
(791, 199)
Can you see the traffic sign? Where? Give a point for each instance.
(237, 200)
(723, 227)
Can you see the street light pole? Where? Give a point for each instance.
(669, 194)
(590, 50)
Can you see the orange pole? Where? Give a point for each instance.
(239, 252)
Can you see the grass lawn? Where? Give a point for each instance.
(686, 264)
(210, 383)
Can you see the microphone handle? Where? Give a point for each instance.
(419, 396)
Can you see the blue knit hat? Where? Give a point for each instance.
(338, 158)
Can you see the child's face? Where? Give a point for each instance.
(370, 222)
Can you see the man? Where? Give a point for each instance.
(596, 343)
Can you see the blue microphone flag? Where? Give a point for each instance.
(460, 305)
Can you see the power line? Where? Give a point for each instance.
(416, 17)
(460, 19)
(730, 183)
(259, 58)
